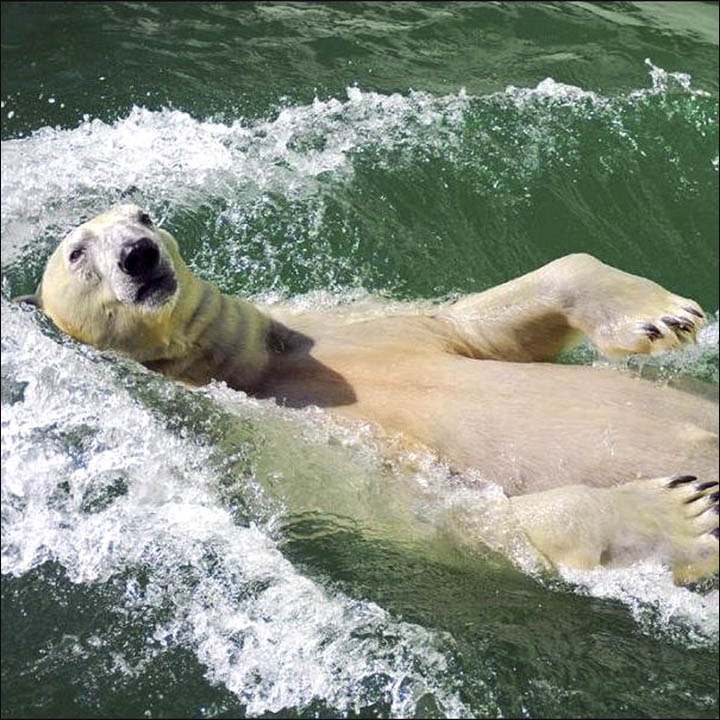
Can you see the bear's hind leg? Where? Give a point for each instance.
(672, 519)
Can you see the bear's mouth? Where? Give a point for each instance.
(156, 289)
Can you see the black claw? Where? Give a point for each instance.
(714, 533)
(678, 324)
(705, 485)
(693, 311)
(714, 497)
(681, 480)
(652, 331)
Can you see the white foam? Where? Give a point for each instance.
(656, 603)
(272, 636)
(549, 89)
(53, 176)
(663, 81)
(169, 159)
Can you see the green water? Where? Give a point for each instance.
(169, 553)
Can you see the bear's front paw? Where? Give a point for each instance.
(623, 313)
(666, 324)
(670, 331)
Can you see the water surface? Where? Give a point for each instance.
(175, 552)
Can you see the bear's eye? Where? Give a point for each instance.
(76, 254)
(145, 219)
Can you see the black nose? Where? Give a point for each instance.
(139, 257)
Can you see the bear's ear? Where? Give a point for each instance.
(29, 299)
(33, 299)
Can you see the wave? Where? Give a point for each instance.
(295, 203)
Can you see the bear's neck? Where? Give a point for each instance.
(217, 337)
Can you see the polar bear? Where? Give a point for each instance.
(599, 468)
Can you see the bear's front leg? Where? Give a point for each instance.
(623, 313)
(539, 314)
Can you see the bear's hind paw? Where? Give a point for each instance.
(694, 540)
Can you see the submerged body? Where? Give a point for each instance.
(463, 379)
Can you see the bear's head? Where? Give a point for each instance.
(114, 282)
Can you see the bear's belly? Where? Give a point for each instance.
(531, 427)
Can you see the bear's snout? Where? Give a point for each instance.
(139, 258)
